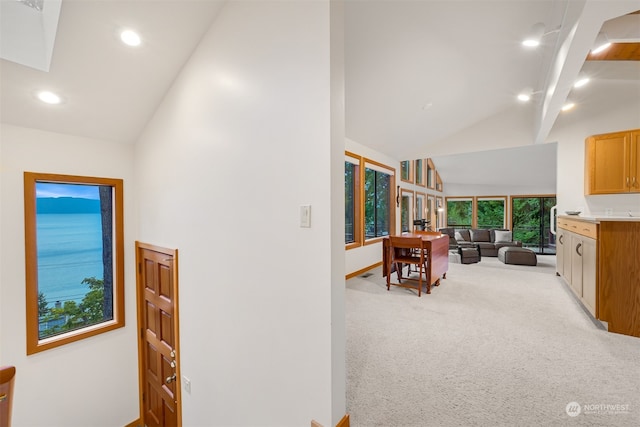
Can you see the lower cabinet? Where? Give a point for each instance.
(599, 262)
(576, 262)
(589, 273)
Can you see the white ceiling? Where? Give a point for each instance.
(503, 168)
(110, 90)
(417, 72)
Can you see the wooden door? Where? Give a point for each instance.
(158, 342)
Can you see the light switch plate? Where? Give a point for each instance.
(305, 216)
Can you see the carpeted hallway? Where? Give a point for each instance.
(494, 345)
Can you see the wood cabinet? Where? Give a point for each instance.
(599, 261)
(612, 163)
(618, 279)
(577, 263)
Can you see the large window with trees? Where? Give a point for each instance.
(73, 252)
(531, 219)
(378, 208)
(459, 212)
(490, 212)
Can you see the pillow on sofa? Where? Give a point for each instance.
(503, 236)
(480, 236)
(463, 236)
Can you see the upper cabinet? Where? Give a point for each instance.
(612, 163)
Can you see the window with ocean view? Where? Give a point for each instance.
(73, 253)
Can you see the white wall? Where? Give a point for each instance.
(92, 382)
(241, 141)
(571, 135)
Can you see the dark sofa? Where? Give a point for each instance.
(488, 240)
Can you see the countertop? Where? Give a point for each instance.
(602, 218)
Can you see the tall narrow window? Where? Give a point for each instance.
(74, 249)
(378, 210)
(406, 210)
(421, 206)
(406, 171)
(420, 173)
(352, 201)
(431, 174)
(459, 213)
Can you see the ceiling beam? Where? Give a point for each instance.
(570, 58)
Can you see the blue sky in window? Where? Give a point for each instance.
(48, 189)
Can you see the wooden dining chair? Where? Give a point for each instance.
(7, 375)
(410, 251)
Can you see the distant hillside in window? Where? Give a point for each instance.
(66, 205)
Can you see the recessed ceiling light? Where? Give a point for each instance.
(581, 82)
(568, 106)
(49, 97)
(524, 97)
(535, 35)
(130, 38)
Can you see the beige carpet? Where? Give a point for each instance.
(494, 345)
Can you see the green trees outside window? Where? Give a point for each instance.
(377, 203)
(531, 223)
(459, 213)
(349, 202)
(490, 213)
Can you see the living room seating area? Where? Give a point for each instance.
(488, 240)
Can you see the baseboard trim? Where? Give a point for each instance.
(364, 270)
(344, 422)
(136, 423)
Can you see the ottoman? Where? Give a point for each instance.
(516, 255)
(469, 255)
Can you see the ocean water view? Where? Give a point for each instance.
(69, 250)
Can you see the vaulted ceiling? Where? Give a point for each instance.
(417, 72)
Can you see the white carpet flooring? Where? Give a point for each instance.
(493, 345)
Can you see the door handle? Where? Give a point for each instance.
(577, 251)
(170, 379)
(633, 182)
(560, 239)
(627, 181)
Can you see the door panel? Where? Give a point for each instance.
(576, 264)
(157, 317)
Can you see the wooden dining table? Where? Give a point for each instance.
(437, 246)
